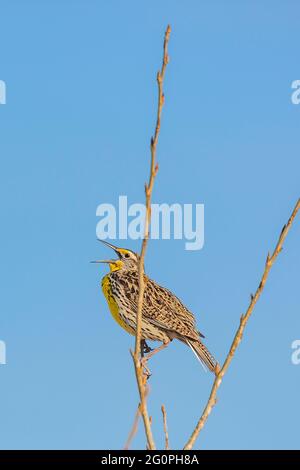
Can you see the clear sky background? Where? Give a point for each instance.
(81, 104)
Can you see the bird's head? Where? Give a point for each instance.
(127, 259)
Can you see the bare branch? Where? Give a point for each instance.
(164, 413)
(140, 376)
(239, 334)
(134, 429)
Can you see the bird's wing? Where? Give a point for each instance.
(163, 309)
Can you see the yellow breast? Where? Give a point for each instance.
(113, 306)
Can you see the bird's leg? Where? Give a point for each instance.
(144, 359)
(154, 351)
(147, 371)
(145, 348)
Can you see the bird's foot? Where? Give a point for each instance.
(145, 367)
(151, 353)
(145, 348)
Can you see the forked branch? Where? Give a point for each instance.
(239, 334)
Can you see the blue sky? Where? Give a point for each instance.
(81, 103)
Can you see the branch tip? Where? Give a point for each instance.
(141, 377)
(239, 333)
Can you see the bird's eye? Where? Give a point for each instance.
(126, 255)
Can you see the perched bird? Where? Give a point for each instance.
(164, 317)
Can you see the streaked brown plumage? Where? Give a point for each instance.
(164, 317)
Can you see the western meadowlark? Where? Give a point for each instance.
(164, 317)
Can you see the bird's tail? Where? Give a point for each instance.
(202, 354)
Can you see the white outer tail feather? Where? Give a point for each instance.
(203, 355)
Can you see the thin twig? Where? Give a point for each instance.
(164, 413)
(134, 429)
(140, 377)
(239, 334)
(135, 424)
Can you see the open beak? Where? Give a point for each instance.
(104, 261)
(113, 247)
